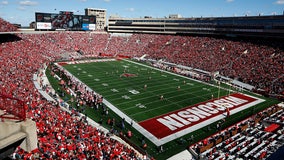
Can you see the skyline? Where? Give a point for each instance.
(23, 11)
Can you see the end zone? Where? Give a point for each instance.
(181, 122)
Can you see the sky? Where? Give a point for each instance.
(23, 11)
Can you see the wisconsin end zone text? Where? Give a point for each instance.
(194, 117)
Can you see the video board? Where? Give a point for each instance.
(63, 20)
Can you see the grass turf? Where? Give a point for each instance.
(131, 97)
(107, 79)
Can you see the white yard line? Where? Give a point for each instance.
(171, 137)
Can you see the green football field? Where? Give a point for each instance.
(136, 89)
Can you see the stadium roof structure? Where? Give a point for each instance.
(243, 26)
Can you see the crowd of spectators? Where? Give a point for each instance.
(248, 139)
(65, 135)
(61, 135)
(258, 63)
(6, 26)
(81, 94)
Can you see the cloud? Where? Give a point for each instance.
(229, 1)
(21, 8)
(107, 0)
(247, 13)
(130, 9)
(83, 0)
(4, 2)
(274, 13)
(279, 2)
(28, 3)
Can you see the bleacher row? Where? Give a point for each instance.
(63, 135)
(258, 64)
(276, 118)
(255, 64)
(6, 26)
(245, 140)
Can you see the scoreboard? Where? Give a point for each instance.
(64, 20)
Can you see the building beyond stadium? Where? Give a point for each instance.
(264, 26)
(95, 19)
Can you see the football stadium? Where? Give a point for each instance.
(83, 87)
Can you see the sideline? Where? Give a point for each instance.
(143, 131)
(137, 126)
(42, 79)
